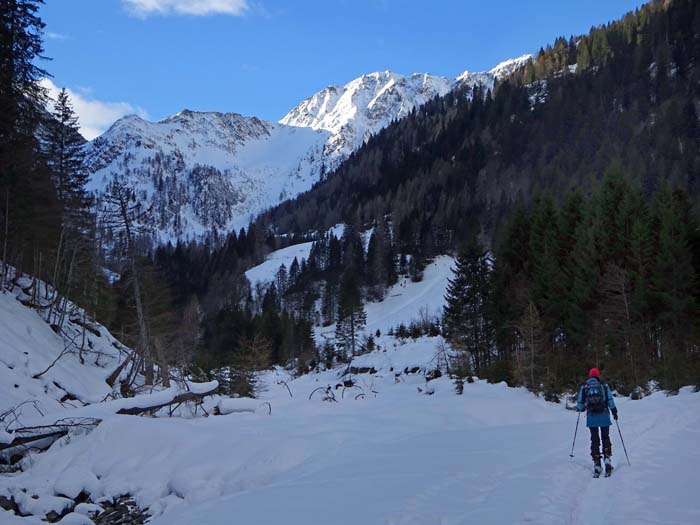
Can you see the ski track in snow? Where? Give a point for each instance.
(629, 496)
(496, 473)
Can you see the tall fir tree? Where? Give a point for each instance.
(29, 212)
(548, 279)
(467, 316)
(673, 281)
(351, 318)
(63, 147)
(380, 266)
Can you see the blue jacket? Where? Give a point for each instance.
(596, 419)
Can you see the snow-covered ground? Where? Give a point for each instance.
(28, 346)
(493, 455)
(267, 271)
(406, 301)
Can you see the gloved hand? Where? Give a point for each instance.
(614, 413)
(582, 409)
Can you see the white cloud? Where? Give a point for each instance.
(95, 116)
(187, 7)
(56, 36)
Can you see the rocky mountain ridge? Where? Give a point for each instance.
(201, 174)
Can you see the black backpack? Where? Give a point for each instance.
(595, 396)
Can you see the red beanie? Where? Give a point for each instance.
(594, 373)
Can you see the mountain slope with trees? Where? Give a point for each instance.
(627, 92)
(579, 172)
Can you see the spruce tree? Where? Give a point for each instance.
(380, 270)
(373, 275)
(467, 321)
(63, 146)
(673, 283)
(29, 212)
(21, 96)
(548, 280)
(350, 317)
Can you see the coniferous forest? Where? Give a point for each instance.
(608, 280)
(569, 195)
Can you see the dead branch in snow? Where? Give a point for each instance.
(176, 399)
(67, 349)
(52, 432)
(14, 413)
(281, 382)
(328, 394)
(342, 392)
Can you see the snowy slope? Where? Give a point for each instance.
(29, 346)
(405, 302)
(267, 271)
(203, 172)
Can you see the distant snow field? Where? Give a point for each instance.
(266, 272)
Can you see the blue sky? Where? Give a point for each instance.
(262, 57)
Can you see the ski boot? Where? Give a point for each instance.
(608, 466)
(597, 467)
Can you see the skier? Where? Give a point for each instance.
(596, 398)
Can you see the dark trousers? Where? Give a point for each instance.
(595, 441)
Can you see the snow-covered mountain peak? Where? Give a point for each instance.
(357, 110)
(202, 171)
(507, 67)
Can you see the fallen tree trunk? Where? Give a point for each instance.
(26, 435)
(174, 400)
(117, 371)
(24, 440)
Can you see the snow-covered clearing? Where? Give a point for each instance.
(406, 301)
(267, 271)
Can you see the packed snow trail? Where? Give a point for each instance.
(661, 435)
(492, 456)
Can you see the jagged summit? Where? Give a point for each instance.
(363, 106)
(366, 104)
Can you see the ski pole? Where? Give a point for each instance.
(575, 432)
(623, 443)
